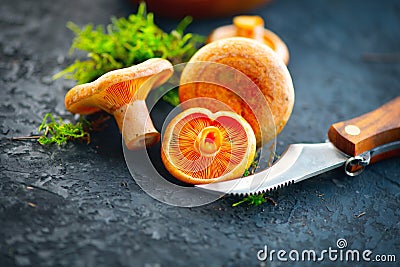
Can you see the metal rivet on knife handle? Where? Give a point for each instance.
(377, 128)
(352, 130)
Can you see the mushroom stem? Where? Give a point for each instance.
(135, 124)
(250, 27)
(208, 141)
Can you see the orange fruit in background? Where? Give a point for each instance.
(201, 147)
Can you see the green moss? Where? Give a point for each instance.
(60, 132)
(126, 42)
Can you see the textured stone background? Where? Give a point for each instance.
(85, 215)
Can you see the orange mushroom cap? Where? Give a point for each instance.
(252, 27)
(122, 93)
(258, 63)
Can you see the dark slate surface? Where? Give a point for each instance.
(88, 211)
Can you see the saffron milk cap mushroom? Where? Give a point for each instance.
(122, 93)
(266, 106)
(200, 147)
(252, 27)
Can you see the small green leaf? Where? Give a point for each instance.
(172, 97)
(254, 200)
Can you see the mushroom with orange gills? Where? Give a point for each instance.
(252, 27)
(122, 93)
(201, 147)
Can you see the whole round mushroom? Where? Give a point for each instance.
(252, 27)
(122, 93)
(257, 62)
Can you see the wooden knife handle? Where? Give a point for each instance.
(368, 131)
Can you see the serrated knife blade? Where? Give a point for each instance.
(354, 143)
(299, 162)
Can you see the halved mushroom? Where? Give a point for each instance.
(122, 93)
(252, 27)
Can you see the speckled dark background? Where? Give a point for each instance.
(88, 211)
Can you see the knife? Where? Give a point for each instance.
(354, 144)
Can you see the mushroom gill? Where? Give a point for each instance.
(122, 93)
